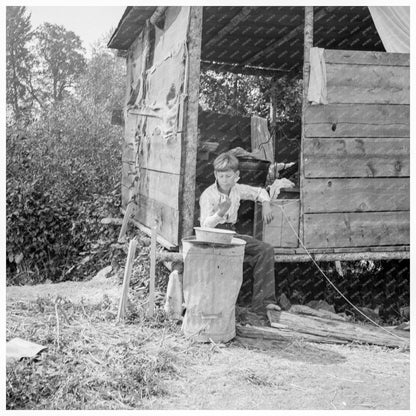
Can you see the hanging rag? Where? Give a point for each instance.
(317, 91)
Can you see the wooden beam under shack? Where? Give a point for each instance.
(304, 258)
(247, 69)
(367, 255)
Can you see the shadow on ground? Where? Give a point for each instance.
(292, 350)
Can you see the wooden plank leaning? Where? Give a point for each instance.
(127, 217)
(151, 305)
(126, 280)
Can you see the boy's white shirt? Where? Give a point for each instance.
(211, 197)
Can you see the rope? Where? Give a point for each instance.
(326, 277)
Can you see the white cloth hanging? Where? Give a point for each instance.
(317, 91)
(393, 26)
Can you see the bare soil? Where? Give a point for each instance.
(259, 374)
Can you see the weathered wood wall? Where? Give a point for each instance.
(156, 121)
(356, 153)
(135, 62)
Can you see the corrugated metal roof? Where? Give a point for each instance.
(273, 37)
(267, 37)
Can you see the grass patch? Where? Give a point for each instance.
(91, 362)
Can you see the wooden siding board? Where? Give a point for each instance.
(357, 120)
(128, 175)
(160, 186)
(159, 156)
(356, 229)
(356, 157)
(136, 58)
(361, 194)
(167, 74)
(150, 210)
(362, 133)
(366, 58)
(350, 83)
(156, 152)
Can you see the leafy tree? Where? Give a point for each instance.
(288, 95)
(60, 62)
(64, 177)
(18, 60)
(103, 81)
(248, 95)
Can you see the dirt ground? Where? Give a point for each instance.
(259, 374)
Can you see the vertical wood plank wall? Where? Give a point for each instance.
(356, 153)
(153, 136)
(134, 68)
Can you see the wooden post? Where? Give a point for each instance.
(235, 94)
(273, 106)
(190, 141)
(126, 280)
(308, 43)
(126, 219)
(152, 278)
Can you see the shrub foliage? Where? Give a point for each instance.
(63, 174)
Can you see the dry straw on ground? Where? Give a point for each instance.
(90, 362)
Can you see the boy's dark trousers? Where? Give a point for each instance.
(260, 256)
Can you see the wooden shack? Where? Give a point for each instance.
(354, 158)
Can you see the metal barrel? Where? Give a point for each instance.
(213, 274)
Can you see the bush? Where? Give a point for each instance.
(63, 173)
(37, 233)
(60, 183)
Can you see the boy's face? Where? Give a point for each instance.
(226, 179)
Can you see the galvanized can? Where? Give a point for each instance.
(213, 274)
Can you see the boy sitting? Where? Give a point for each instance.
(219, 207)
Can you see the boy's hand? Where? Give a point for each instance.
(224, 206)
(267, 212)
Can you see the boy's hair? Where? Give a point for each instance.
(226, 161)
